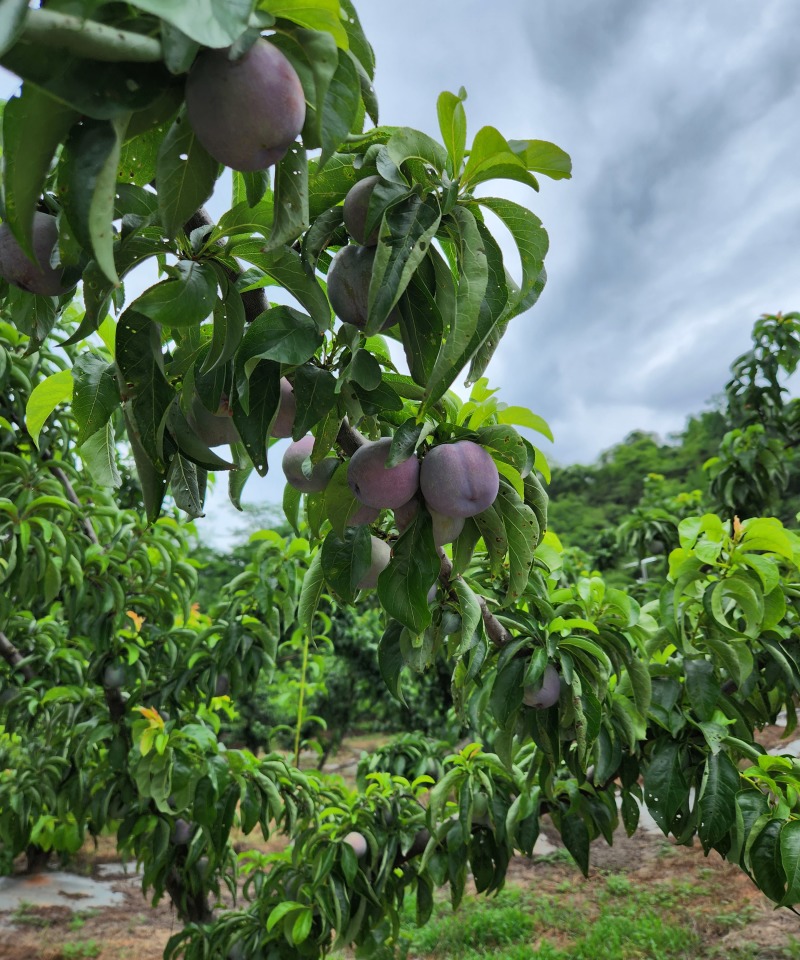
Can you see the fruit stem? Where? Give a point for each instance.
(88, 38)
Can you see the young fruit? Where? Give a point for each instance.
(378, 486)
(287, 410)
(245, 112)
(358, 842)
(293, 460)
(459, 479)
(349, 278)
(16, 268)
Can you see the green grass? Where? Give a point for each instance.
(611, 918)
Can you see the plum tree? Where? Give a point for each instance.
(377, 485)
(246, 111)
(356, 206)
(459, 479)
(349, 280)
(296, 455)
(379, 560)
(15, 267)
(544, 694)
(283, 424)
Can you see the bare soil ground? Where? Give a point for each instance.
(136, 930)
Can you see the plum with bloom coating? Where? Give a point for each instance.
(546, 693)
(459, 479)
(349, 278)
(245, 112)
(287, 410)
(381, 554)
(377, 485)
(293, 459)
(356, 206)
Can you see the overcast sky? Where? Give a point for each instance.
(682, 220)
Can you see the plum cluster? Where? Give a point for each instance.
(453, 480)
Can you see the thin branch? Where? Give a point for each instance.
(14, 658)
(88, 38)
(72, 497)
(255, 301)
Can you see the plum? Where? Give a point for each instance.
(356, 205)
(245, 112)
(181, 832)
(376, 485)
(16, 268)
(546, 692)
(405, 513)
(358, 842)
(287, 410)
(445, 529)
(348, 286)
(214, 429)
(321, 473)
(381, 554)
(362, 515)
(459, 479)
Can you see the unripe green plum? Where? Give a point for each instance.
(546, 692)
(16, 268)
(356, 205)
(214, 429)
(287, 410)
(293, 459)
(376, 485)
(445, 529)
(348, 286)
(381, 555)
(459, 479)
(245, 112)
(358, 842)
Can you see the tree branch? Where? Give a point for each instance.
(88, 38)
(72, 497)
(255, 301)
(14, 658)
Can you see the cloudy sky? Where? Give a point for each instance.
(682, 220)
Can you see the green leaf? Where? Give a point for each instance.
(543, 157)
(522, 417)
(492, 529)
(453, 124)
(641, 684)
(407, 144)
(576, 839)
(144, 387)
(229, 323)
(315, 396)
(339, 107)
(522, 529)
(138, 158)
(96, 394)
(152, 478)
(421, 327)
(702, 687)
(212, 23)
(99, 456)
(717, 803)
(790, 861)
(261, 389)
(340, 504)
(473, 277)
(507, 691)
(280, 333)
(12, 17)
(185, 175)
(310, 593)
(408, 228)
(532, 242)
(187, 485)
(346, 560)
(765, 862)
(88, 172)
(185, 300)
(390, 658)
(666, 787)
(403, 586)
(317, 15)
(33, 126)
(44, 398)
(491, 156)
(285, 266)
(291, 198)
